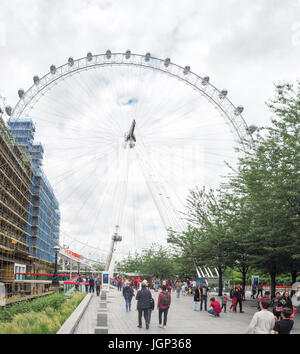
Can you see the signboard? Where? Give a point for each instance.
(105, 281)
(255, 279)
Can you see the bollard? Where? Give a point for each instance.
(103, 305)
(103, 295)
(102, 318)
(101, 330)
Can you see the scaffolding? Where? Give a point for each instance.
(15, 191)
(29, 211)
(44, 208)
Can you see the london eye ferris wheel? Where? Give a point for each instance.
(126, 136)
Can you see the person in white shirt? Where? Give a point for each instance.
(263, 321)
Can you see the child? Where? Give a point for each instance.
(215, 307)
(285, 325)
(224, 302)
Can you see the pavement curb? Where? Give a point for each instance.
(71, 323)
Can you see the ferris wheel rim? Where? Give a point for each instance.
(184, 74)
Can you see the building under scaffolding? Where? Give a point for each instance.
(44, 216)
(15, 192)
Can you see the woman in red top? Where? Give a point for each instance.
(163, 304)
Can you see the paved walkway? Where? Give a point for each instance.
(182, 319)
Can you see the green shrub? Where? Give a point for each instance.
(47, 321)
(37, 305)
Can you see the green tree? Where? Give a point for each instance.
(268, 178)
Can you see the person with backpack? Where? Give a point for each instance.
(143, 297)
(163, 305)
(285, 325)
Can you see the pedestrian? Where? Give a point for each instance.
(204, 293)
(143, 297)
(138, 282)
(152, 303)
(277, 305)
(263, 321)
(178, 288)
(259, 289)
(86, 284)
(92, 283)
(98, 286)
(119, 284)
(239, 297)
(254, 287)
(285, 325)
(224, 302)
(163, 305)
(215, 307)
(194, 286)
(286, 301)
(197, 298)
(266, 296)
(156, 285)
(233, 295)
(128, 294)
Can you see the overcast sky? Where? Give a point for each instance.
(244, 46)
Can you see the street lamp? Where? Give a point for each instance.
(55, 276)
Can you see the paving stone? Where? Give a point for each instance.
(182, 319)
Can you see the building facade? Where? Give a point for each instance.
(15, 200)
(44, 216)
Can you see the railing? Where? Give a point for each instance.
(41, 276)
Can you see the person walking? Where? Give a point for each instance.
(163, 305)
(196, 298)
(143, 297)
(178, 288)
(259, 289)
(86, 284)
(254, 287)
(204, 293)
(263, 321)
(119, 284)
(92, 283)
(128, 295)
(98, 285)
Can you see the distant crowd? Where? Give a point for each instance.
(277, 321)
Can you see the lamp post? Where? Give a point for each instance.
(55, 277)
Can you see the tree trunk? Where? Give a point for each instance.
(294, 274)
(220, 281)
(273, 283)
(244, 273)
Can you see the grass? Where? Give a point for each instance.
(42, 320)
